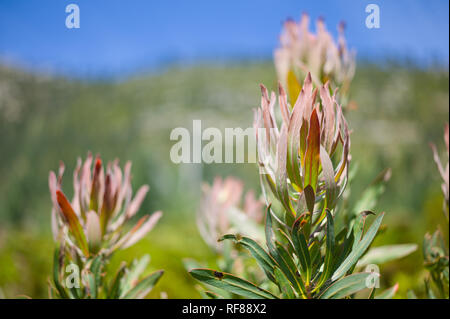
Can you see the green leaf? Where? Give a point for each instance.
(270, 236)
(329, 252)
(93, 277)
(264, 260)
(287, 265)
(92, 285)
(302, 207)
(331, 188)
(268, 181)
(358, 226)
(359, 250)
(230, 283)
(144, 286)
(76, 293)
(283, 284)
(301, 249)
(96, 268)
(383, 254)
(275, 253)
(346, 286)
(388, 293)
(372, 293)
(283, 252)
(212, 295)
(58, 285)
(114, 291)
(314, 252)
(310, 198)
(136, 269)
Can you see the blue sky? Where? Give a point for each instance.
(120, 37)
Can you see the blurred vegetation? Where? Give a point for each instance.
(398, 109)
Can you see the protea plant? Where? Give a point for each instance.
(305, 254)
(223, 209)
(296, 158)
(435, 250)
(91, 227)
(302, 51)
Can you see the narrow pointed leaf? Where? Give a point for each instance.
(231, 283)
(274, 252)
(359, 250)
(284, 284)
(328, 175)
(212, 295)
(288, 267)
(264, 260)
(144, 286)
(329, 252)
(270, 237)
(114, 291)
(71, 220)
(58, 285)
(136, 269)
(388, 293)
(95, 269)
(346, 286)
(301, 249)
(310, 198)
(383, 254)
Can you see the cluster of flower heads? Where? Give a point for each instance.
(301, 51)
(93, 222)
(222, 211)
(299, 154)
(296, 158)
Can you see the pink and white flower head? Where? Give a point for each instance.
(94, 221)
(302, 51)
(223, 211)
(306, 155)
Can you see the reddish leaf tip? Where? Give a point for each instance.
(98, 164)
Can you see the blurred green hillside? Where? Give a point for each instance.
(45, 119)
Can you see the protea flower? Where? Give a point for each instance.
(93, 222)
(296, 157)
(302, 51)
(222, 211)
(444, 172)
